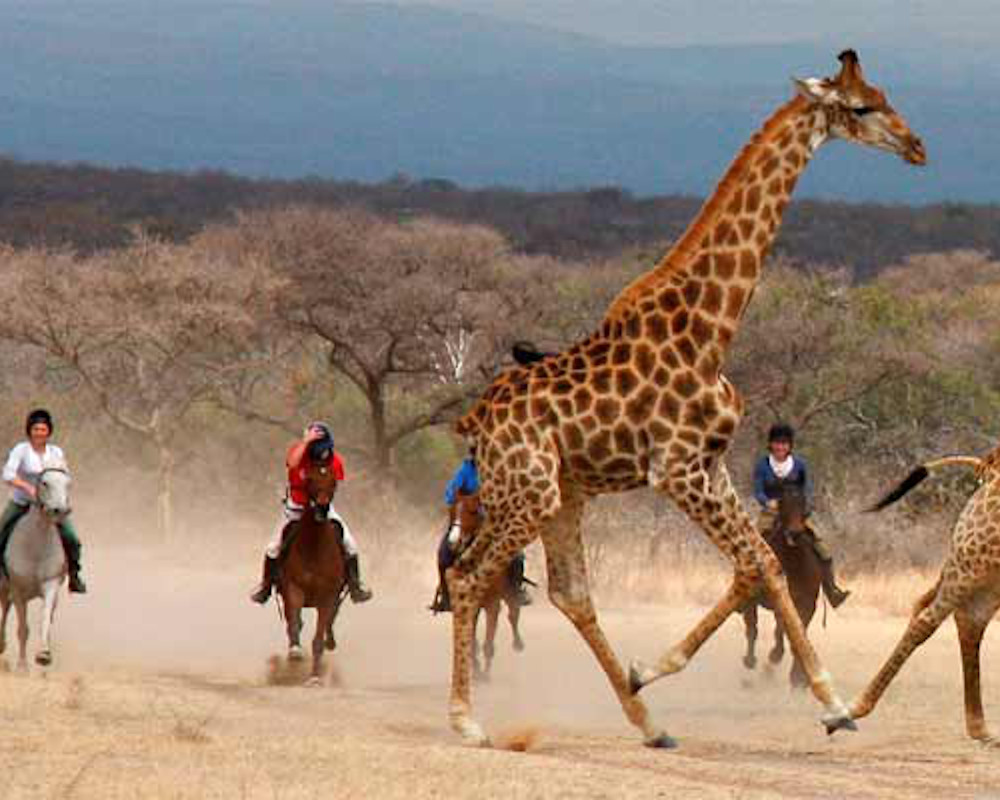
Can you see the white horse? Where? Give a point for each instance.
(36, 563)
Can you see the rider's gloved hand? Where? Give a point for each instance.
(454, 534)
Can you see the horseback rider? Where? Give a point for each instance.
(315, 446)
(780, 466)
(22, 471)
(465, 481)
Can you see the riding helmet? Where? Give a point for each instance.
(39, 415)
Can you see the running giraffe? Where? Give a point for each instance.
(968, 587)
(642, 402)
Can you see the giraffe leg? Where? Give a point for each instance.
(971, 626)
(923, 623)
(715, 507)
(750, 624)
(569, 592)
(468, 583)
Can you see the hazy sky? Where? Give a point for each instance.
(681, 22)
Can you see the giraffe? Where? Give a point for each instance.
(968, 587)
(641, 401)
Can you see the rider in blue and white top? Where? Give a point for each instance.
(781, 467)
(21, 472)
(465, 481)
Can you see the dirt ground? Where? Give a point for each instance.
(159, 689)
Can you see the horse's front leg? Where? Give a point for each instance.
(4, 612)
(293, 623)
(21, 606)
(489, 642)
(50, 599)
(324, 614)
(514, 617)
(750, 625)
(778, 650)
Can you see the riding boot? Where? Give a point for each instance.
(442, 600)
(515, 576)
(11, 514)
(268, 579)
(833, 593)
(358, 591)
(71, 547)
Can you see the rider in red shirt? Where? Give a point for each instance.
(317, 443)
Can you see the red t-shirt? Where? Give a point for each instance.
(297, 462)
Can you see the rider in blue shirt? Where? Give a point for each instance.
(465, 482)
(780, 467)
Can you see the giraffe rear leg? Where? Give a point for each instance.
(971, 627)
(567, 579)
(922, 624)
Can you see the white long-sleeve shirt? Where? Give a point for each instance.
(26, 464)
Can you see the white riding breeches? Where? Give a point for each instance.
(291, 512)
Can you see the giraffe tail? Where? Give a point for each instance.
(920, 473)
(926, 598)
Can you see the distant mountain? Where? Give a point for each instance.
(365, 91)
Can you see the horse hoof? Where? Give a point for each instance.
(750, 662)
(518, 646)
(840, 722)
(295, 654)
(330, 644)
(313, 682)
(44, 658)
(661, 742)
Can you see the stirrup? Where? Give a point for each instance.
(359, 593)
(838, 596)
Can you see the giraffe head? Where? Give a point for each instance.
(858, 112)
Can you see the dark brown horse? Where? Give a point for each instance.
(470, 515)
(313, 575)
(791, 540)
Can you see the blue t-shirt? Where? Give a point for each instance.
(466, 481)
(766, 485)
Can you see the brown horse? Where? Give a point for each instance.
(313, 574)
(791, 540)
(470, 515)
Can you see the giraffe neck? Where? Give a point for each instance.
(715, 266)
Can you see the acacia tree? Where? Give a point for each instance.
(150, 332)
(416, 317)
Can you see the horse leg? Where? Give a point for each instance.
(49, 599)
(514, 617)
(324, 613)
(4, 612)
(806, 606)
(492, 616)
(21, 606)
(293, 622)
(778, 649)
(330, 643)
(750, 625)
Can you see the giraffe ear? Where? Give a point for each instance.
(817, 90)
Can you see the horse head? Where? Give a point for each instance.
(793, 508)
(53, 491)
(321, 484)
(470, 515)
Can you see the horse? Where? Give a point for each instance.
(790, 539)
(313, 574)
(36, 563)
(470, 516)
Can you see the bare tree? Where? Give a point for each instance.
(150, 331)
(416, 317)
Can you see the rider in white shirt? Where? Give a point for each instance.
(21, 472)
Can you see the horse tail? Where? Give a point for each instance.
(922, 472)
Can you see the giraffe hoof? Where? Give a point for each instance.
(839, 723)
(661, 742)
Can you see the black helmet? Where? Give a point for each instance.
(781, 432)
(320, 450)
(39, 415)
